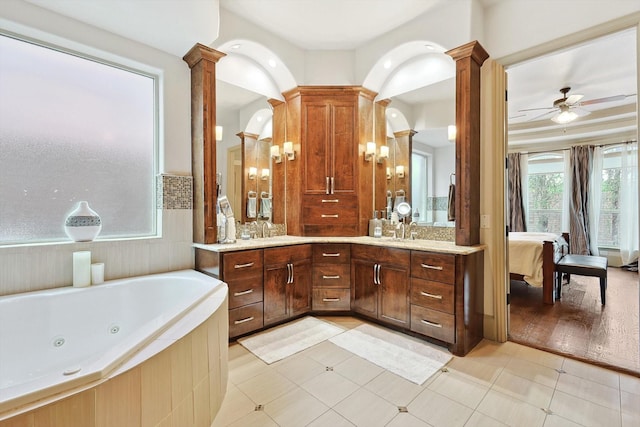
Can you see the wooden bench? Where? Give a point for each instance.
(583, 265)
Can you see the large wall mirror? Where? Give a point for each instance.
(244, 163)
(421, 164)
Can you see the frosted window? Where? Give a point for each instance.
(73, 129)
(420, 175)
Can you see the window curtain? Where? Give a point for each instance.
(595, 198)
(581, 159)
(629, 246)
(516, 209)
(524, 183)
(566, 192)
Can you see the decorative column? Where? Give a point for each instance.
(469, 58)
(202, 62)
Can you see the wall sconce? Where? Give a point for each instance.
(384, 153)
(451, 132)
(389, 173)
(370, 151)
(400, 171)
(288, 150)
(275, 154)
(253, 172)
(265, 174)
(218, 133)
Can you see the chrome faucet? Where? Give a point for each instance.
(412, 234)
(266, 232)
(253, 229)
(401, 227)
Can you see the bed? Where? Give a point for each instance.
(532, 258)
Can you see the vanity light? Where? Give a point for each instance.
(389, 173)
(288, 150)
(265, 174)
(400, 171)
(218, 133)
(384, 153)
(275, 153)
(253, 172)
(370, 151)
(451, 132)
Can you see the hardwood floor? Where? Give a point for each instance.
(578, 325)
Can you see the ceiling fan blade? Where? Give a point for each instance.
(540, 116)
(572, 99)
(536, 109)
(581, 112)
(516, 116)
(606, 99)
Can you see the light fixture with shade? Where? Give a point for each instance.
(564, 116)
(265, 174)
(287, 147)
(400, 171)
(370, 151)
(389, 173)
(451, 132)
(253, 171)
(275, 154)
(384, 153)
(218, 133)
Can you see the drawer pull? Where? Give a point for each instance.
(330, 299)
(334, 255)
(249, 264)
(426, 294)
(432, 267)
(435, 325)
(331, 277)
(239, 294)
(248, 319)
(329, 216)
(329, 200)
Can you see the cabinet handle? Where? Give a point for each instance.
(330, 277)
(248, 319)
(288, 274)
(334, 254)
(435, 325)
(327, 187)
(375, 276)
(249, 264)
(330, 200)
(330, 299)
(432, 267)
(329, 216)
(239, 294)
(426, 294)
(332, 186)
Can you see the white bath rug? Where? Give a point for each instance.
(283, 341)
(410, 358)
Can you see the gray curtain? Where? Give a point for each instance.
(516, 209)
(581, 160)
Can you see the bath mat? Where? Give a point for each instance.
(410, 358)
(283, 341)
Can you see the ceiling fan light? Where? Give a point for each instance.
(564, 117)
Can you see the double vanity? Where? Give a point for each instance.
(427, 288)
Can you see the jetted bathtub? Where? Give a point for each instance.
(55, 341)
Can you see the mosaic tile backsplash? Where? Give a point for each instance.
(174, 192)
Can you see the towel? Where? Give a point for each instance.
(451, 206)
(265, 207)
(251, 207)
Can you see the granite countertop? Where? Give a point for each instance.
(270, 242)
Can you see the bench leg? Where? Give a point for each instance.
(558, 285)
(603, 289)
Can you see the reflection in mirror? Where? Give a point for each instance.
(417, 124)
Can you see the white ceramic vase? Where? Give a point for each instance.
(83, 224)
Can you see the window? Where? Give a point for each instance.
(545, 189)
(73, 129)
(420, 185)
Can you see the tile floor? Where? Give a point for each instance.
(494, 385)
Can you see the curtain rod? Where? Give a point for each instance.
(567, 148)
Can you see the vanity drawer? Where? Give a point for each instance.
(245, 291)
(245, 319)
(331, 299)
(433, 266)
(338, 253)
(329, 209)
(332, 276)
(433, 323)
(238, 265)
(435, 295)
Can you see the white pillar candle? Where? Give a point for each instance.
(97, 273)
(81, 269)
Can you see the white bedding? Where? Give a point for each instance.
(525, 255)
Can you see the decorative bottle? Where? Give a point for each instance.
(83, 224)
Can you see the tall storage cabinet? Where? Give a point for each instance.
(330, 181)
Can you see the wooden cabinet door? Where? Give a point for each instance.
(344, 152)
(394, 295)
(300, 288)
(316, 136)
(276, 307)
(364, 291)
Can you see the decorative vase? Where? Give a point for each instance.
(83, 224)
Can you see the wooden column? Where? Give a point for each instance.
(202, 62)
(469, 59)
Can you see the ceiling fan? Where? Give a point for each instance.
(567, 108)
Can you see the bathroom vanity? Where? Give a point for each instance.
(426, 288)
